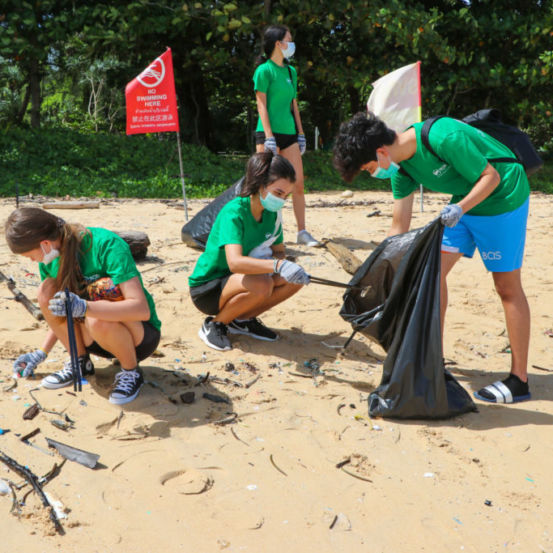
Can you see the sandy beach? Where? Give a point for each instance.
(257, 472)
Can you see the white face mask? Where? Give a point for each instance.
(50, 256)
(289, 51)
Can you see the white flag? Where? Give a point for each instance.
(396, 97)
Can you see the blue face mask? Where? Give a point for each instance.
(271, 203)
(290, 49)
(381, 173)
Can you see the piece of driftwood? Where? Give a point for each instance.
(137, 241)
(32, 479)
(72, 204)
(349, 261)
(22, 298)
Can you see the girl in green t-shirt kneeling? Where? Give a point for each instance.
(243, 272)
(113, 313)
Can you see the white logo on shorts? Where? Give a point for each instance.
(491, 256)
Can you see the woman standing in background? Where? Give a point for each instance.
(279, 128)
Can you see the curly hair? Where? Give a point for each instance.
(357, 142)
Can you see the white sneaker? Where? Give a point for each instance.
(306, 239)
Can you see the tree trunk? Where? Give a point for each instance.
(24, 104)
(194, 98)
(36, 99)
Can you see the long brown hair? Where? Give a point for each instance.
(27, 227)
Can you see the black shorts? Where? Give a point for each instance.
(283, 140)
(206, 296)
(143, 350)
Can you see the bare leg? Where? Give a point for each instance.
(119, 338)
(247, 296)
(517, 319)
(293, 155)
(282, 291)
(241, 294)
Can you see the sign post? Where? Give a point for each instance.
(152, 105)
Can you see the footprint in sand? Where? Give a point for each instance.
(186, 481)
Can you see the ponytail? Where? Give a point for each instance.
(265, 168)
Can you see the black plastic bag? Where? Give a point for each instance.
(196, 231)
(398, 305)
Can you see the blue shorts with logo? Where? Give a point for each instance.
(500, 239)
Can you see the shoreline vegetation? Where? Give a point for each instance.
(62, 162)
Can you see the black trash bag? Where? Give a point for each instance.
(196, 231)
(397, 304)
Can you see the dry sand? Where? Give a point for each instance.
(170, 479)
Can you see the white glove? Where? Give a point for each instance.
(57, 305)
(26, 364)
(270, 144)
(292, 272)
(302, 143)
(451, 214)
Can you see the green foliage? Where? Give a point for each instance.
(59, 162)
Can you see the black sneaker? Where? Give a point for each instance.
(126, 386)
(254, 328)
(64, 377)
(214, 334)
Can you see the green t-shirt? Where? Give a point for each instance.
(466, 151)
(275, 82)
(104, 254)
(234, 224)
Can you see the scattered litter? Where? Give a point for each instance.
(428, 475)
(188, 397)
(542, 369)
(73, 454)
(331, 345)
(57, 505)
(251, 487)
(62, 425)
(214, 398)
(275, 465)
(488, 503)
(237, 437)
(374, 213)
(3, 431)
(4, 488)
(226, 420)
(529, 479)
(253, 381)
(229, 367)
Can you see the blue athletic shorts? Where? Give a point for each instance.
(500, 239)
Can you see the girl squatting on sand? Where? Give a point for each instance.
(242, 272)
(93, 263)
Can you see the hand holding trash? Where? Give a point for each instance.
(25, 365)
(292, 272)
(57, 305)
(451, 214)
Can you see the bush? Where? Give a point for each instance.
(60, 162)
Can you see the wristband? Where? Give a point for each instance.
(275, 266)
